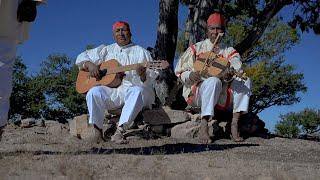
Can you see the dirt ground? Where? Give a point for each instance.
(51, 153)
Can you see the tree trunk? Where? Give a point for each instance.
(199, 10)
(202, 11)
(167, 30)
(188, 34)
(165, 48)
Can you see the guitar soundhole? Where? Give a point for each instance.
(103, 72)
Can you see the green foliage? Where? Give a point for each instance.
(288, 126)
(309, 119)
(237, 29)
(49, 94)
(57, 79)
(306, 122)
(274, 84)
(277, 38)
(26, 99)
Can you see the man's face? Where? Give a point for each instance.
(122, 35)
(213, 31)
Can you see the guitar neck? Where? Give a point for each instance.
(125, 68)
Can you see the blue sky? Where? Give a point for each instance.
(68, 26)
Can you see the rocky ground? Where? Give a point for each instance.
(51, 153)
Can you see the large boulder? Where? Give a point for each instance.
(78, 124)
(190, 129)
(165, 115)
(187, 130)
(55, 128)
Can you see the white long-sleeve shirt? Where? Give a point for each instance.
(185, 64)
(125, 55)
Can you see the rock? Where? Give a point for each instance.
(130, 138)
(40, 123)
(78, 124)
(190, 129)
(185, 130)
(91, 134)
(195, 117)
(158, 129)
(165, 115)
(27, 123)
(55, 128)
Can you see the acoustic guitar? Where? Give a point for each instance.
(109, 73)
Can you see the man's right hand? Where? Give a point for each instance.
(195, 76)
(93, 69)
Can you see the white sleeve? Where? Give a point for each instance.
(234, 58)
(185, 66)
(96, 56)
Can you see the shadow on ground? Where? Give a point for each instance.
(166, 149)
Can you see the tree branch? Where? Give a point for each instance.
(261, 23)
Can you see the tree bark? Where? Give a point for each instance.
(167, 30)
(199, 10)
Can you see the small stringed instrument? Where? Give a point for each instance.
(211, 64)
(109, 73)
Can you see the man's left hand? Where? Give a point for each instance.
(141, 71)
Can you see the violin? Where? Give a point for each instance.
(210, 64)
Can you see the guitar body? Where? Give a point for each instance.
(111, 74)
(85, 82)
(208, 64)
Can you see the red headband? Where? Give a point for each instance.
(120, 24)
(216, 19)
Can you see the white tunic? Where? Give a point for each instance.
(240, 88)
(126, 55)
(132, 94)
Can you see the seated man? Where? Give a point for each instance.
(135, 91)
(208, 93)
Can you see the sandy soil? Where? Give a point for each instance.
(51, 153)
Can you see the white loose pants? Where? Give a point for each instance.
(7, 57)
(208, 94)
(241, 92)
(133, 99)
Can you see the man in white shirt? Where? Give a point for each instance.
(134, 93)
(210, 93)
(15, 18)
